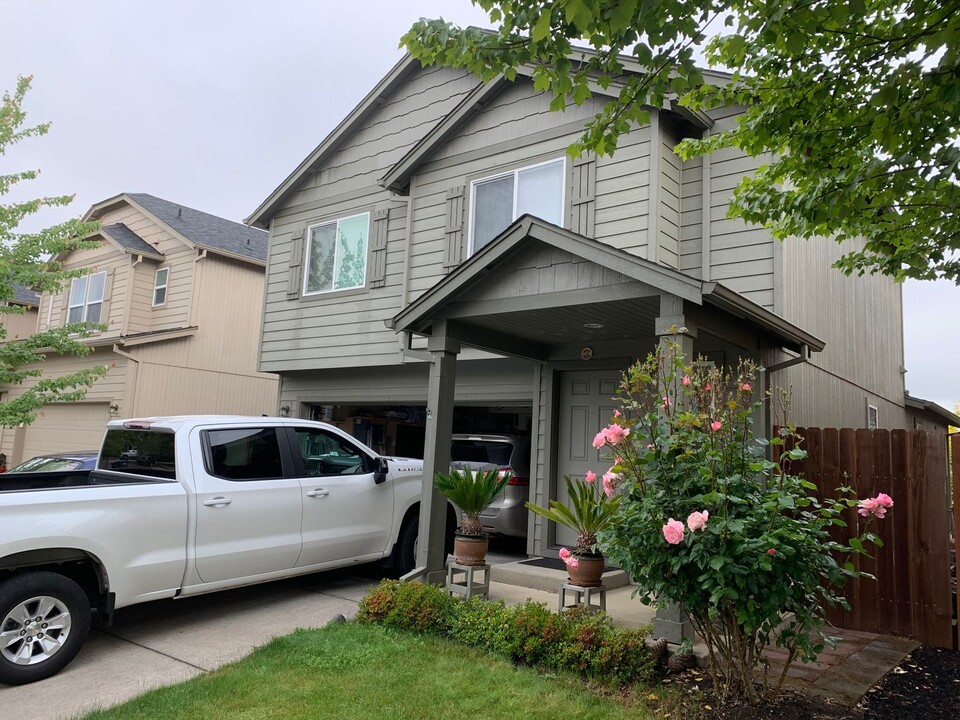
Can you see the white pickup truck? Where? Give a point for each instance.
(180, 506)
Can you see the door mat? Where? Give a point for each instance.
(556, 564)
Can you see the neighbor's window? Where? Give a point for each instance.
(498, 201)
(160, 286)
(86, 298)
(337, 255)
(873, 417)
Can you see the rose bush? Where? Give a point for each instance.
(754, 565)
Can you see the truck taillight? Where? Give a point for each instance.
(137, 425)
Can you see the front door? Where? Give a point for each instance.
(586, 405)
(346, 514)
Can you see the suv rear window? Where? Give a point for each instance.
(482, 451)
(139, 452)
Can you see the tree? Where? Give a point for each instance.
(858, 102)
(29, 260)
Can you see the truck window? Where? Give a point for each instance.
(139, 452)
(243, 454)
(324, 453)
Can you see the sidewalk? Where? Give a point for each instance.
(844, 674)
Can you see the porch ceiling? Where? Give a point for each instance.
(621, 319)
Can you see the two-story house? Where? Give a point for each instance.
(439, 262)
(180, 292)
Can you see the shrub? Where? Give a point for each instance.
(576, 640)
(407, 606)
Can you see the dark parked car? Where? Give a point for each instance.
(507, 514)
(83, 460)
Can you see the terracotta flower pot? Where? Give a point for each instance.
(588, 571)
(470, 549)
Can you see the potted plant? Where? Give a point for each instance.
(590, 510)
(471, 491)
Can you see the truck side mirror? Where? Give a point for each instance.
(380, 476)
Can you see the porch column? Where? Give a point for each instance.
(671, 622)
(431, 553)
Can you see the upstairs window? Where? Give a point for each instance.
(86, 298)
(337, 255)
(160, 286)
(498, 201)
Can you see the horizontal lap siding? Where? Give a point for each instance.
(490, 381)
(691, 216)
(623, 191)
(348, 329)
(174, 390)
(668, 219)
(742, 255)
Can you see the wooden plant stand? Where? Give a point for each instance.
(462, 580)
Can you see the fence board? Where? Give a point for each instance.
(955, 506)
(911, 595)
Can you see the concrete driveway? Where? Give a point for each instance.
(168, 641)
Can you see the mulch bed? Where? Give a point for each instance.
(925, 685)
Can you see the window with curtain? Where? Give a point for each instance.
(498, 201)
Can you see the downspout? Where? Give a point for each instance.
(131, 273)
(803, 357)
(136, 374)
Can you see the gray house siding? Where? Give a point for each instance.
(862, 322)
(330, 330)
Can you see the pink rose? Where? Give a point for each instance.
(610, 483)
(685, 380)
(707, 387)
(716, 425)
(771, 552)
(666, 401)
(564, 554)
(697, 520)
(572, 562)
(617, 414)
(615, 434)
(590, 477)
(673, 531)
(746, 387)
(875, 506)
(601, 439)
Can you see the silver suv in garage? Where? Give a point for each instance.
(507, 514)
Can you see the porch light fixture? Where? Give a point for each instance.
(593, 326)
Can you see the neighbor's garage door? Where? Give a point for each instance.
(66, 428)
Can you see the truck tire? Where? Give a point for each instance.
(404, 558)
(44, 619)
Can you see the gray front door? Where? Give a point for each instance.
(586, 405)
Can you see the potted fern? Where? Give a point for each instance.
(471, 491)
(590, 511)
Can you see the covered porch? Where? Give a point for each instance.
(581, 311)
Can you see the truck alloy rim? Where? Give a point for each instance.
(34, 630)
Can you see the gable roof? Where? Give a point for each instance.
(418, 315)
(124, 236)
(205, 230)
(400, 72)
(22, 295)
(931, 407)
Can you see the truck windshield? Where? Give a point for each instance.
(139, 452)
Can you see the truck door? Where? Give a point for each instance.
(247, 507)
(345, 513)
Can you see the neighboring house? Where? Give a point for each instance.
(440, 255)
(181, 294)
(21, 325)
(928, 416)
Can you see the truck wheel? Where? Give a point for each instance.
(404, 557)
(44, 619)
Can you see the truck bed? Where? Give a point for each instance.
(20, 482)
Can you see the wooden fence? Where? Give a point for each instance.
(911, 596)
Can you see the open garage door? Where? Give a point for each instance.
(65, 428)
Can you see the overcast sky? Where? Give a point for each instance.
(212, 103)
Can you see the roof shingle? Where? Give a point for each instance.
(129, 239)
(205, 230)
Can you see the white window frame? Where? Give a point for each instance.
(336, 254)
(516, 184)
(164, 287)
(875, 411)
(86, 299)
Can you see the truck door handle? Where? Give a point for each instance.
(318, 492)
(218, 501)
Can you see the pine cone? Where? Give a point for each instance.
(679, 662)
(658, 650)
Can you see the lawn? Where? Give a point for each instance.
(349, 671)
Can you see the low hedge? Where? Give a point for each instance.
(575, 640)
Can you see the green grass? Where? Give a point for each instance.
(358, 671)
